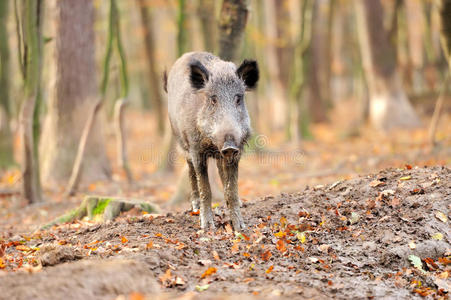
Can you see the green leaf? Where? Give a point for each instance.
(416, 262)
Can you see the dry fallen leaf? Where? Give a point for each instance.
(216, 255)
(208, 272)
(228, 228)
(441, 216)
(235, 247)
(280, 245)
(166, 277)
(376, 183)
(2, 249)
(280, 234)
(266, 255)
(2, 264)
(437, 236)
(136, 296)
(124, 240)
(149, 245)
(269, 270)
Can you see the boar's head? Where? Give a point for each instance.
(223, 117)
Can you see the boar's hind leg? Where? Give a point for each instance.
(194, 187)
(206, 214)
(230, 182)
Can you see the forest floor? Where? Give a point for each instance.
(316, 228)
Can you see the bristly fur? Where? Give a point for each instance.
(198, 74)
(249, 73)
(165, 81)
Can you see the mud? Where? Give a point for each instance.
(344, 240)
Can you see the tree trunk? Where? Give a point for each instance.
(6, 141)
(73, 97)
(445, 14)
(206, 12)
(232, 22)
(155, 81)
(319, 85)
(32, 61)
(389, 106)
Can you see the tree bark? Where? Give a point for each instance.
(73, 97)
(232, 22)
(155, 81)
(6, 141)
(319, 84)
(389, 106)
(32, 61)
(206, 12)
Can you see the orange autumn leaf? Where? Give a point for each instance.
(23, 248)
(235, 247)
(195, 213)
(266, 255)
(444, 260)
(208, 272)
(158, 235)
(149, 245)
(166, 276)
(228, 228)
(245, 254)
(136, 296)
(2, 264)
(124, 240)
(269, 270)
(281, 246)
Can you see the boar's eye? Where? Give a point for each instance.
(213, 99)
(239, 99)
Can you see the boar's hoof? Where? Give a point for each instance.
(206, 220)
(195, 204)
(237, 222)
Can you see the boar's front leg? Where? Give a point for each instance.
(194, 187)
(199, 162)
(229, 175)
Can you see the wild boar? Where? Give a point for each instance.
(209, 118)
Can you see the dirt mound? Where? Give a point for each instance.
(89, 279)
(384, 235)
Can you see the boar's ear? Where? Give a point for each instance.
(248, 72)
(198, 74)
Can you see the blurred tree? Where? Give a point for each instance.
(389, 106)
(154, 77)
(169, 146)
(299, 116)
(207, 11)
(232, 21)
(6, 143)
(319, 57)
(73, 97)
(445, 14)
(31, 25)
(114, 38)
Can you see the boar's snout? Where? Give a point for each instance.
(229, 149)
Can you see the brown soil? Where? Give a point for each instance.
(346, 240)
